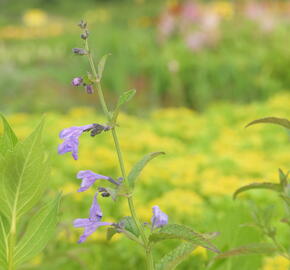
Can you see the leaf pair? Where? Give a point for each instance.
(24, 172)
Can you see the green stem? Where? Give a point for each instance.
(149, 256)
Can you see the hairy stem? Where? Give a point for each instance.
(149, 257)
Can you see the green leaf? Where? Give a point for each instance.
(9, 139)
(111, 231)
(129, 225)
(139, 166)
(175, 257)
(251, 249)
(270, 186)
(124, 98)
(23, 176)
(176, 231)
(272, 120)
(101, 65)
(3, 243)
(40, 230)
(283, 178)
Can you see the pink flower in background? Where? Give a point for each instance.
(166, 24)
(210, 21)
(196, 41)
(190, 12)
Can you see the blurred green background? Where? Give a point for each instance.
(202, 71)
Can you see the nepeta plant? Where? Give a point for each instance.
(146, 233)
(25, 227)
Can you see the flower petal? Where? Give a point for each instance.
(88, 179)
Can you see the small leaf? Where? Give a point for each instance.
(139, 166)
(124, 98)
(40, 230)
(113, 193)
(283, 179)
(176, 231)
(111, 231)
(175, 257)
(272, 120)
(129, 225)
(102, 64)
(270, 186)
(9, 139)
(259, 248)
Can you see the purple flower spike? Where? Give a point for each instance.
(77, 81)
(89, 178)
(159, 219)
(93, 222)
(89, 89)
(71, 139)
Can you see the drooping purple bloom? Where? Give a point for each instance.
(93, 222)
(89, 89)
(89, 178)
(71, 139)
(159, 219)
(77, 81)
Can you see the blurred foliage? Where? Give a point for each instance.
(208, 156)
(175, 53)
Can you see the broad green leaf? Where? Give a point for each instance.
(3, 243)
(129, 225)
(8, 140)
(176, 231)
(23, 176)
(40, 230)
(270, 186)
(259, 248)
(175, 257)
(272, 120)
(139, 166)
(101, 65)
(124, 98)
(111, 231)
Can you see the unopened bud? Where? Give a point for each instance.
(77, 81)
(85, 35)
(89, 89)
(79, 51)
(82, 24)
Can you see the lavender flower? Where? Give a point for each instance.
(93, 222)
(159, 219)
(89, 178)
(77, 81)
(71, 139)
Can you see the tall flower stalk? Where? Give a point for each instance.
(144, 234)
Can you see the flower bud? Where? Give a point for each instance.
(77, 81)
(89, 89)
(85, 35)
(82, 24)
(79, 51)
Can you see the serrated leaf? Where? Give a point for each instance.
(259, 248)
(40, 230)
(110, 233)
(175, 257)
(139, 166)
(8, 140)
(23, 176)
(102, 64)
(265, 185)
(272, 120)
(176, 231)
(129, 225)
(124, 98)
